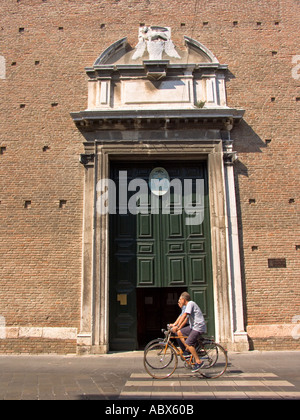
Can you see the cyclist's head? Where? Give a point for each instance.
(180, 303)
(186, 296)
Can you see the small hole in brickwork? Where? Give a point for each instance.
(36, 63)
(60, 28)
(102, 26)
(235, 23)
(291, 200)
(254, 248)
(2, 150)
(273, 99)
(268, 141)
(297, 247)
(14, 63)
(46, 148)
(21, 30)
(298, 99)
(22, 106)
(142, 24)
(274, 53)
(62, 204)
(276, 23)
(277, 262)
(27, 204)
(258, 23)
(205, 23)
(182, 25)
(252, 201)
(54, 104)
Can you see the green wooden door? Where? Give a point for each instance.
(157, 249)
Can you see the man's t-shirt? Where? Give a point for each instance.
(196, 318)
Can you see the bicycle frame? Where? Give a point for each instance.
(167, 340)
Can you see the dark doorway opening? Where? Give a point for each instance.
(156, 307)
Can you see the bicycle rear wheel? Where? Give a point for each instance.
(215, 360)
(207, 352)
(160, 360)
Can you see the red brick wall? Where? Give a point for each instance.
(46, 45)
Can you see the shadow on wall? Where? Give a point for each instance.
(245, 141)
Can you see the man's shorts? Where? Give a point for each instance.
(192, 336)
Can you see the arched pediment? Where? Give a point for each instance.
(121, 53)
(113, 53)
(198, 51)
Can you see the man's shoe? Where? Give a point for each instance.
(197, 367)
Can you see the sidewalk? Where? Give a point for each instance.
(121, 376)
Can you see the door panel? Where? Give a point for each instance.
(145, 272)
(196, 269)
(148, 272)
(122, 273)
(175, 271)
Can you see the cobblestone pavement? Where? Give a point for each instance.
(121, 376)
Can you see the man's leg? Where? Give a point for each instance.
(191, 342)
(192, 350)
(184, 332)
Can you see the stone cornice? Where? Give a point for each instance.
(147, 118)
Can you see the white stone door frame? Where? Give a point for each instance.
(229, 320)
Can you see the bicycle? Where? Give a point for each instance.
(161, 357)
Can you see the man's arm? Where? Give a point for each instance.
(182, 321)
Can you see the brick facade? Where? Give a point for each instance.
(46, 45)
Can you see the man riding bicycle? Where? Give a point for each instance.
(196, 327)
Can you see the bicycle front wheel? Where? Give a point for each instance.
(160, 360)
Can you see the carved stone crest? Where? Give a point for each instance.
(155, 40)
